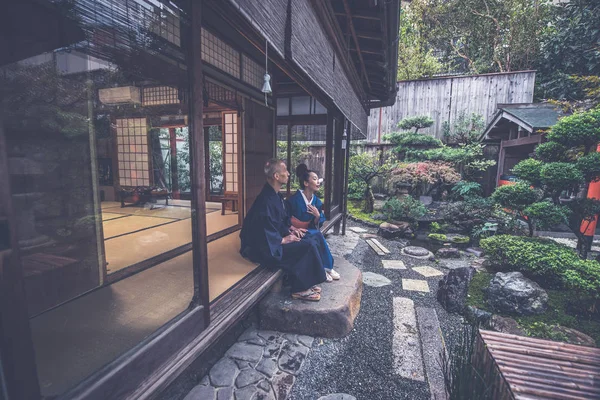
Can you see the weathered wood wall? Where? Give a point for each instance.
(443, 99)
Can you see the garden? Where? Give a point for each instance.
(511, 265)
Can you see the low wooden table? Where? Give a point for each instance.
(146, 197)
(225, 199)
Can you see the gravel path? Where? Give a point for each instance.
(362, 364)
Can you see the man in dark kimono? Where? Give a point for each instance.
(269, 238)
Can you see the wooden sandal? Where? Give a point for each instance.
(316, 289)
(309, 296)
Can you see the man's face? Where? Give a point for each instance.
(282, 175)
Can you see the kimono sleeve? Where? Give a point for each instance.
(270, 246)
(319, 205)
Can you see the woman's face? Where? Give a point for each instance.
(313, 182)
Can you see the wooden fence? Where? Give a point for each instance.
(444, 99)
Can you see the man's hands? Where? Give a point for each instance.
(298, 232)
(290, 239)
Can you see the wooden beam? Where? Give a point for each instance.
(368, 50)
(362, 14)
(369, 35)
(522, 141)
(351, 26)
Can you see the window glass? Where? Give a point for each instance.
(301, 105)
(95, 116)
(283, 106)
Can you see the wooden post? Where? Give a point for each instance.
(174, 170)
(347, 137)
(501, 156)
(197, 170)
(330, 132)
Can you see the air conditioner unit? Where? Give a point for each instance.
(120, 95)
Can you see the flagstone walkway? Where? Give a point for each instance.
(392, 353)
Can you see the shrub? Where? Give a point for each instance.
(579, 129)
(559, 176)
(417, 122)
(546, 215)
(552, 264)
(419, 176)
(551, 151)
(468, 213)
(516, 197)
(465, 189)
(529, 171)
(404, 208)
(589, 166)
(413, 139)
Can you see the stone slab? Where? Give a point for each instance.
(375, 280)
(357, 229)
(406, 346)
(381, 246)
(393, 264)
(338, 396)
(333, 316)
(432, 342)
(427, 271)
(415, 285)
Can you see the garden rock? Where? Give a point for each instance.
(477, 315)
(502, 324)
(453, 288)
(426, 200)
(392, 231)
(448, 252)
(416, 251)
(574, 337)
(512, 293)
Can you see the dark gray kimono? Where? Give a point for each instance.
(266, 223)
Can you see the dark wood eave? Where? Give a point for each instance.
(369, 31)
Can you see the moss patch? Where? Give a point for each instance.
(558, 312)
(355, 209)
(475, 296)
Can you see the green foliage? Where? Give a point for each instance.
(437, 227)
(546, 261)
(468, 213)
(438, 237)
(460, 239)
(405, 208)
(589, 165)
(569, 49)
(465, 129)
(465, 189)
(415, 57)
(417, 122)
(546, 214)
(579, 129)
(424, 177)
(515, 197)
(409, 139)
(551, 151)
(543, 330)
(528, 170)
(467, 158)
(556, 177)
(215, 150)
(355, 208)
(363, 168)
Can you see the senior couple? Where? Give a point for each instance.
(285, 233)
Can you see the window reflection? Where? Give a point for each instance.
(95, 116)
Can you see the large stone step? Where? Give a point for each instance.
(333, 316)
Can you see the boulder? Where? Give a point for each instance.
(379, 217)
(392, 231)
(453, 288)
(574, 337)
(332, 317)
(512, 293)
(502, 324)
(448, 252)
(426, 200)
(478, 316)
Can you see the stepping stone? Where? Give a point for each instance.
(393, 264)
(357, 229)
(406, 346)
(375, 280)
(478, 252)
(338, 396)
(378, 247)
(427, 272)
(433, 348)
(417, 252)
(415, 285)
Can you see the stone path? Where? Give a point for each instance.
(392, 353)
(262, 365)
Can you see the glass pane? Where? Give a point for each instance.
(215, 153)
(282, 148)
(92, 165)
(319, 108)
(308, 147)
(283, 106)
(301, 105)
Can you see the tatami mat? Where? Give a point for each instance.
(78, 338)
(130, 223)
(127, 250)
(159, 212)
(106, 216)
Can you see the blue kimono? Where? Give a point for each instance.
(265, 225)
(298, 209)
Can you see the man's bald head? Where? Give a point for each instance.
(276, 172)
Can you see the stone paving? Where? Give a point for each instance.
(262, 365)
(266, 364)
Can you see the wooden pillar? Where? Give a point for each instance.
(197, 169)
(346, 140)
(174, 170)
(330, 132)
(501, 156)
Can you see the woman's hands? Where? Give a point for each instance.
(312, 210)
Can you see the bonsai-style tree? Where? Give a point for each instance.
(525, 202)
(568, 161)
(363, 168)
(418, 122)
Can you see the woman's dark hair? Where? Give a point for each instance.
(303, 174)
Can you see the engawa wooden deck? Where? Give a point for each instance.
(517, 367)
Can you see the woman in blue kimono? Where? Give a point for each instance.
(306, 211)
